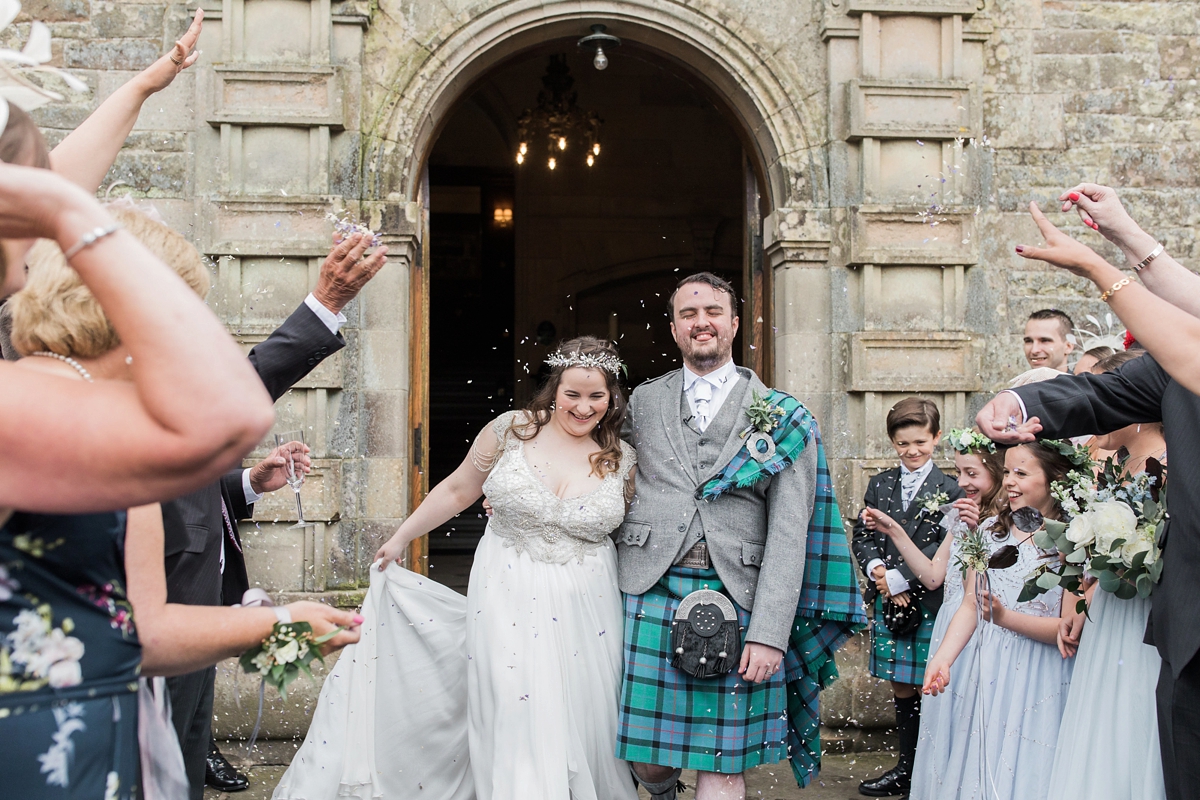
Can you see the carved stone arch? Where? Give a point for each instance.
(782, 138)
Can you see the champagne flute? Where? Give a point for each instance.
(295, 477)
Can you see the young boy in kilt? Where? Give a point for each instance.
(908, 494)
(750, 541)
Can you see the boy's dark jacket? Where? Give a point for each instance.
(883, 493)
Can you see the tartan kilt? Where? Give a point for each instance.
(900, 658)
(671, 719)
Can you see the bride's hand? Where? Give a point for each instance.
(392, 550)
(324, 619)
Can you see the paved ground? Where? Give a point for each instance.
(839, 778)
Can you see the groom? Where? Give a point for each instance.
(745, 538)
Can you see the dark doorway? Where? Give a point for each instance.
(523, 256)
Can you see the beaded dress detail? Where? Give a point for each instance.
(531, 518)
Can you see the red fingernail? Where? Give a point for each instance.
(1074, 195)
(1020, 249)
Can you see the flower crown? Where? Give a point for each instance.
(969, 440)
(1077, 454)
(605, 361)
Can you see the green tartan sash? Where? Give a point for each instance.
(831, 608)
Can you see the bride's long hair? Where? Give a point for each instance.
(608, 433)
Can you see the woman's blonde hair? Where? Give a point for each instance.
(56, 312)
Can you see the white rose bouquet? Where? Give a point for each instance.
(284, 654)
(1115, 525)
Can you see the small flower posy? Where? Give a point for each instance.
(969, 440)
(604, 361)
(285, 653)
(932, 503)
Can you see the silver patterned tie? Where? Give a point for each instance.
(702, 392)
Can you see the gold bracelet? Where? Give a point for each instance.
(1116, 287)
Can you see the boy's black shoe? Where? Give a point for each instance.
(219, 774)
(895, 781)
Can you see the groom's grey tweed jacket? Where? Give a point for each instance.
(756, 536)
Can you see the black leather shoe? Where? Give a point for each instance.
(893, 782)
(219, 774)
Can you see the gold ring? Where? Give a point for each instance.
(176, 61)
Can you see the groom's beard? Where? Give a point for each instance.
(709, 355)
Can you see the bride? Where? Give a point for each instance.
(514, 692)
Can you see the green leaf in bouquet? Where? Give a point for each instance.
(1044, 540)
(1030, 590)
(1004, 557)
(1156, 570)
(1074, 570)
(1139, 559)
(1055, 527)
(1077, 557)
(275, 676)
(1144, 585)
(1150, 509)
(1048, 580)
(1099, 563)
(1125, 590)
(247, 659)
(1109, 581)
(1081, 607)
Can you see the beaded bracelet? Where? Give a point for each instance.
(90, 238)
(1116, 287)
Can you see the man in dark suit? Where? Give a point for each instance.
(204, 560)
(1139, 391)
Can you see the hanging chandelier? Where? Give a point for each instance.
(557, 121)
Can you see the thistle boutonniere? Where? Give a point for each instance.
(285, 653)
(764, 417)
(932, 503)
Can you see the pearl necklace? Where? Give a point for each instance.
(87, 376)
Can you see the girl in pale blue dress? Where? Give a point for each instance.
(997, 738)
(980, 474)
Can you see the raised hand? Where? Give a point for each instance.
(1060, 249)
(1100, 209)
(162, 72)
(1000, 421)
(346, 271)
(968, 511)
(271, 473)
(324, 619)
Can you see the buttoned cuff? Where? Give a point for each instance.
(252, 496)
(332, 321)
(871, 565)
(896, 582)
(1021, 403)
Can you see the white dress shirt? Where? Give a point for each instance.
(706, 394)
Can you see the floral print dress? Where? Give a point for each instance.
(69, 659)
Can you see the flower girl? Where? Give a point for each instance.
(998, 740)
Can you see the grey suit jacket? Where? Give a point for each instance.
(1142, 391)
(192, 525)
(756, 536)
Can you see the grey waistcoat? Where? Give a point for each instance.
(705, 448)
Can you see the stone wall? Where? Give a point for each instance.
(898, 141)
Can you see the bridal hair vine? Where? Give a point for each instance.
(605, 361)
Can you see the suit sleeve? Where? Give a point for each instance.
(1075, 405)
(293, 350)
(238, 507)
(863, 541)
(954, 492)
(790, 500)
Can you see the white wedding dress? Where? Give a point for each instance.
(510, 693)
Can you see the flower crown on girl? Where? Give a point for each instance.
(969, 440)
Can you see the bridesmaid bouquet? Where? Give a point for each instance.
(1115, 525)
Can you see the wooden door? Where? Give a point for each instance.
(417, 557)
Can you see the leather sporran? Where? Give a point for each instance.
(902, 620)
(704, 635)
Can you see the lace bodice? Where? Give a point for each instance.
(531, 518)
(1007, 583)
